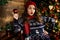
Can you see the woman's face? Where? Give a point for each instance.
(31, 10)
(15, 16)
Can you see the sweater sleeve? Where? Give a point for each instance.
(16, 27)
(20, 23)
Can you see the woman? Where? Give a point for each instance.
(32, 25)
(16, 27)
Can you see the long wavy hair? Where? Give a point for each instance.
(36, 15)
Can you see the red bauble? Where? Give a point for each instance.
(57, 6)
(55, 17)
(43, 11)
(52, 15)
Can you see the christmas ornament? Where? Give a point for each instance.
(53, 30)
(55, 17)
(56, 0)
(56, 21)
(57, 7)
(58, 10)
(51, 7)
(43, 11)
(52, 15)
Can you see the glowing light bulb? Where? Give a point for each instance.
(56, 21)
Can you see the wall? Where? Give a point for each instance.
(8, 10)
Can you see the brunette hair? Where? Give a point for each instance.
(36, 15)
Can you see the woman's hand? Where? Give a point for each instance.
(45, 32)
(27, 38)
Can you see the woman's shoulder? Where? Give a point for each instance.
(20, 20)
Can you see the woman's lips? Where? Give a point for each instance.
(31, 13)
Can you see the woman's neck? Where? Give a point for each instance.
(30, 17)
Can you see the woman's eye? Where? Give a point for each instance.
(34, 8)
(30, 8)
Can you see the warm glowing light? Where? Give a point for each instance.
(50, 7)
(59, 29)
(56, 21)
(53, 30)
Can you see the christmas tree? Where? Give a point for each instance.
(3, 2)
(50, 8)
